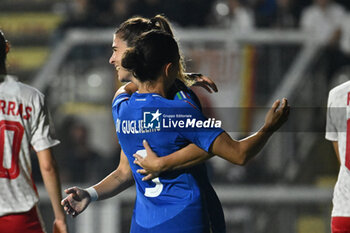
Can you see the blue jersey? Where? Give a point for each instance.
(210, 200)
(172, 202)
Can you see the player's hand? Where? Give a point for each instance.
(59, 226)
(130, 88)
(151, 163)
(277, 115)
(76, 201)
(204, 82)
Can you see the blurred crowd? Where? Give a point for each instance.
(326, 20)
(237, 14)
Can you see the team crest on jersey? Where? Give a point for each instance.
(152, 120)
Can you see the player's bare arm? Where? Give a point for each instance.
(117, 181)
(184, 158)
(50, 176)
(237, 152)
(240, 152)
(336, 150)
(78, 199)
(128, 88)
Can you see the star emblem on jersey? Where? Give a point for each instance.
(151, 120)
(156, 115)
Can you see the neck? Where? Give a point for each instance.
(157, 87)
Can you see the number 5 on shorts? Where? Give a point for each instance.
(156, 190)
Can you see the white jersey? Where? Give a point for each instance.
(338, 129)
(24, 123)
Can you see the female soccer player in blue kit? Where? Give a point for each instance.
(173, 203)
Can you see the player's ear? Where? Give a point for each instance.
(7, 49)
(167, 69)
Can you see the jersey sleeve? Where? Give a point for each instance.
(117, 103)
(188, 96)
(120, 98)
(331, 129)
(198, 129)
(42, 130)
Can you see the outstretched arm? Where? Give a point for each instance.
(52, 183)
(237, 152)
(78, 199)
(240, 152)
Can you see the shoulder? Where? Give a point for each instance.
(120, 98)
(339, 92)
(188, 95)
(186, 104)
(25, 91)
(183, 94)
(342, 88)
(181, 100)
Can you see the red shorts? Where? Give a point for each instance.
(28, 222)
(340, 224)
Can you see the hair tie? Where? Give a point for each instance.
(152, 22)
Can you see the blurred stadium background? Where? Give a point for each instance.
(255, 50)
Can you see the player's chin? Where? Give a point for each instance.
(124, 80)
(124, 76)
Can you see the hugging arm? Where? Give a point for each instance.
(237, 152)
(128, 88)
(240, 152)
(186, 157)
